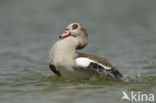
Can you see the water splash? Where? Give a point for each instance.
(129, 77)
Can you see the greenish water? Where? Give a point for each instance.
(122, 31)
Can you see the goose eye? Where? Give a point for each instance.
(74, 26)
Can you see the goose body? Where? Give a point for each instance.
(65, 61)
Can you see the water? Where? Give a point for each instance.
(121, 31)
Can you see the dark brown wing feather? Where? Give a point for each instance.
(99, 60)
(53, 69)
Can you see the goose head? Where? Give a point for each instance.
(77, 31)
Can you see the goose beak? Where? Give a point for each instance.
(65, 34)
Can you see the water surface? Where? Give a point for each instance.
(121, 31)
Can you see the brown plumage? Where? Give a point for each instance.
(99, 60)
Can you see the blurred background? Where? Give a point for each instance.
(123, 31)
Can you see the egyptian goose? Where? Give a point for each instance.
(65, 61)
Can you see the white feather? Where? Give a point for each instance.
(84, 62)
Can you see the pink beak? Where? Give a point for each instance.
(65, 34)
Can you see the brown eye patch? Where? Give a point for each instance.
(74, 26)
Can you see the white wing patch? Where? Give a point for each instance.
(84, 62)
